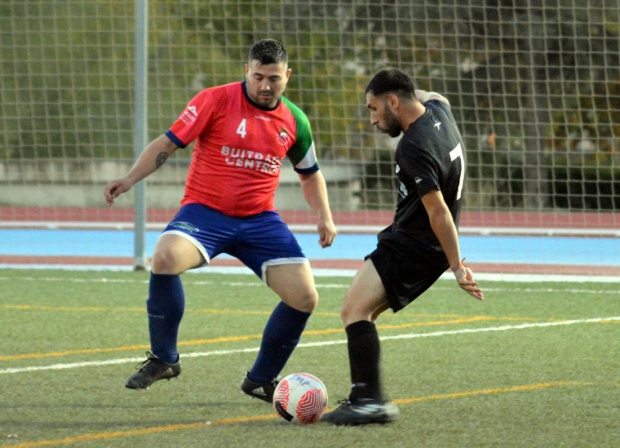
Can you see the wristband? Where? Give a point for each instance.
(460, 265)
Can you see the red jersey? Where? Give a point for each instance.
(236, 163)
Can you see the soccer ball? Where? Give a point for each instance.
(300, 398)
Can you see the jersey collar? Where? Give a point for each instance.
(247, 97)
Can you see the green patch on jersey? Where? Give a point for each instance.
(303, 139)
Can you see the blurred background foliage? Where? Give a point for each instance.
(535, 85)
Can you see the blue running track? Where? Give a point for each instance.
(478, 249)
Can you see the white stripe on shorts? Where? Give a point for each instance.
(280, 261)
(192, 240)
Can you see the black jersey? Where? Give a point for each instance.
(430, 155)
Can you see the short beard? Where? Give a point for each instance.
(392, 125)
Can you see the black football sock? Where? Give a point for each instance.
(364, 354)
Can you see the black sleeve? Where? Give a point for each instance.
(420, 170)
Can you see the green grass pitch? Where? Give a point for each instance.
(535, 364)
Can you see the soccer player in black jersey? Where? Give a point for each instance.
(418, 247)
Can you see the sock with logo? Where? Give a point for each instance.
(364, 355)
(165, 307)
(280, 337)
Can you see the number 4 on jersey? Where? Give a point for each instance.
(241, 129)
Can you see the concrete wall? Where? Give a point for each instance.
(77, 183)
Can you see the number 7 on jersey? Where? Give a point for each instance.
(457, 153)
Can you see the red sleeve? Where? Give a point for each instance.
(195, 118)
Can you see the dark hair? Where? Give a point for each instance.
(391, 80)
(268, 51)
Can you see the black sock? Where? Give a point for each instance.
(364, 353)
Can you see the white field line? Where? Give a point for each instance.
(76, 365)
(242, 270)
(311, 228)
(190, 281)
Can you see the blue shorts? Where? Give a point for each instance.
(258, 241)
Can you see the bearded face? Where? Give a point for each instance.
(382, 116)
(391, 125)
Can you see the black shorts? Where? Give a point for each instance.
(407, 271)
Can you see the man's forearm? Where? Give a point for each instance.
(154, 156)
(315, 192)
(445, 230)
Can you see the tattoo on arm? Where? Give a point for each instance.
(161, 159)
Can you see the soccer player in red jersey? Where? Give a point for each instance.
(243, 131)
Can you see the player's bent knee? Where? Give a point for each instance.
(353, 311)
(351, 316)
(345, 314)
(347, 308)
(313, 300)
(166, 262)
(294, 284)
(306, 301)
(310, 301)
